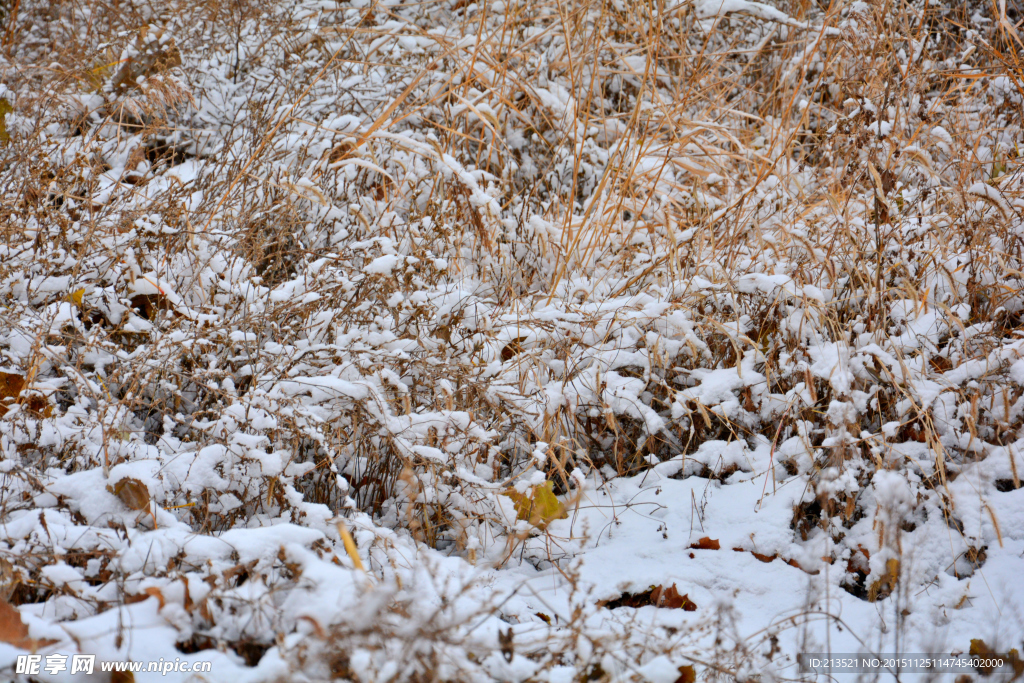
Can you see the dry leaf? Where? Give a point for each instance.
(148, 305)
(1016, 662)
(760, 556)
(791, 563)
(8, 579)
(37, 404)
(505, 641)
(794, 563)
(11, 385)
(658, 596)
(188, 596)
(981, 650)
(5, 109)
(706, 543)
(541, 507)
(239, 574)
(671, 599)
(885, 584)
(687, 674)
(154, 592)
(132, 492)
(513, 348)
(122, 677)
(13, 630)
(12, 390)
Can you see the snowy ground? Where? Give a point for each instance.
(519, 341)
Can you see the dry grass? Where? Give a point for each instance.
(559, 199)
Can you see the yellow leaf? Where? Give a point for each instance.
(78, 296)
(541, 507)
(5, 108)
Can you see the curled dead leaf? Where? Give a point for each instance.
(513, 348)
(148, 305)
(154, 592)
(706, 543)
(132, 492)
(670, 598)
(769, 558)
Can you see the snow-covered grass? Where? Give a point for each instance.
(418, 341)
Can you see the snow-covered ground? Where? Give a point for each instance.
(518, 341)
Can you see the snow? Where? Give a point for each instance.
(426, 334)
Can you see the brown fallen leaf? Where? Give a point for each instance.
(9, 579)
(505, 642)
(36, 404)
(794, 563)
(670, 598)
(149, 305)
(13, 630)
(706, 543)
(132, 492)
(154, 592)
(11, 385)
(687, 674)
(513, 348)
(188, 595)
(658, 596)
(770, 558)
(763, 558)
